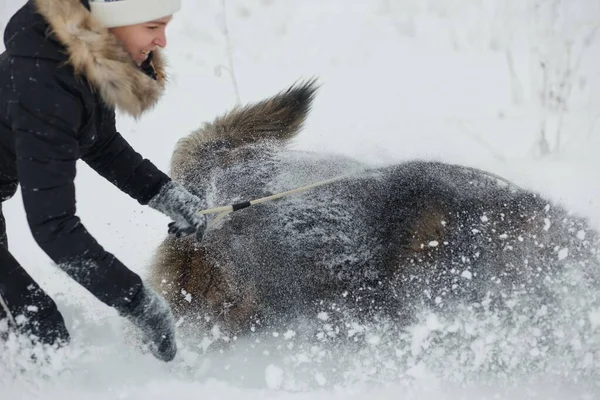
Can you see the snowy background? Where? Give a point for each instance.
(509, 86)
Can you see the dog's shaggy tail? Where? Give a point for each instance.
(277, 119)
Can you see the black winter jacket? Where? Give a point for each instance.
(61, 78)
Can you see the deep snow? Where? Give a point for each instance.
(457, 81)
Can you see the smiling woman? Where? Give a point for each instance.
(142, 39)
(61, 91)
(139, 24)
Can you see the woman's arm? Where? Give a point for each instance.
(114, 158)
(45, 119)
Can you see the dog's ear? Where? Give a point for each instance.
(277, 120)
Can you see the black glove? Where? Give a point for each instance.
(152, 315)
(176, 202)
(182, 229)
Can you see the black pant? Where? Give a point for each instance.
(7, 190)
(3, 238)
(24, 297)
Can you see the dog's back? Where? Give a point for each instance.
(385, 240)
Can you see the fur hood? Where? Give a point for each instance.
(99, 56)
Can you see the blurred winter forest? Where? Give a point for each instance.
(549, 49)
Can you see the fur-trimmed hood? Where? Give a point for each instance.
(94, 53)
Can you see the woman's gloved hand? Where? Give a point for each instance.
(176, 202)
(152, 315)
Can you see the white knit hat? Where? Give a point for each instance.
(113, 13)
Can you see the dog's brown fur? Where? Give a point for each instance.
(387, 240)
(276, 120)
(98, 55)
(182, 272)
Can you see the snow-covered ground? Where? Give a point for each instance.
(453, 80)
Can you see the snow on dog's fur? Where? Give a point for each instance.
(379, 242)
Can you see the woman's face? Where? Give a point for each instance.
(140, 39)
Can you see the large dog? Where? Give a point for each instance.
(377, 242)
